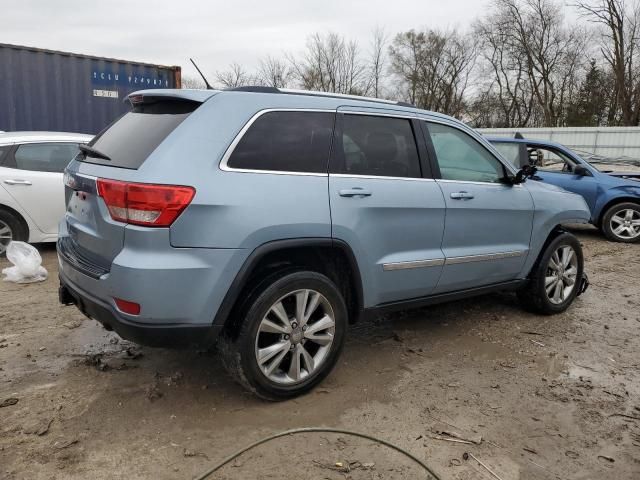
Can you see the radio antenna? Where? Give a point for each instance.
(209, 87)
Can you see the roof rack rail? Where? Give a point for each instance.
(336, 95)
(253, 88)
(406, 104)
(289, 91)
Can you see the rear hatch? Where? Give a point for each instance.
(97, 188)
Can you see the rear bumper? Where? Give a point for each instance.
(153, 335)
(179, 290)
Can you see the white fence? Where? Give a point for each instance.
(619, 143)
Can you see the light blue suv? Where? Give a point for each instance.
(269, 220)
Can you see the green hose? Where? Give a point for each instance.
(316, 430)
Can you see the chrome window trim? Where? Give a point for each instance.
(436, 262)
(467, 182)
(380, 177)
(229, 151)
(391, 266)
(45, 142)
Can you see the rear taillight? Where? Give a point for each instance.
(144, 204)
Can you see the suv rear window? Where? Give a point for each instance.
(286, 142)
(131, 139)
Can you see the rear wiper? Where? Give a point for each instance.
(92, 152)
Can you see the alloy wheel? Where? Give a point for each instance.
(625, 224)
(562, 273)
(295, 336)
(6, 235)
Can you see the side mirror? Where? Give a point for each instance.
(525, 172)
(581, 171)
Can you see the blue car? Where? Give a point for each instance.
(613, 197)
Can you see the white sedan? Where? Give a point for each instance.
(31, 185)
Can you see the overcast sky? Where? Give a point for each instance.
(214, 32)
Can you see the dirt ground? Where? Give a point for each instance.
(545, 397)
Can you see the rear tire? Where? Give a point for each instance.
(290, 336)
(11, 229)
(621, 223)
(555, 278)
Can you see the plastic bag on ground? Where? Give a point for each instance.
(27, 264)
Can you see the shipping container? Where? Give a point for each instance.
(59, 91)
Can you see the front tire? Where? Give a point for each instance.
(621, 223)
(555, 278)
(292, 332)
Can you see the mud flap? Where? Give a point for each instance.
(584, 284)
(64, 296)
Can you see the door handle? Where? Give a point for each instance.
(462, 195)
(355, 192)
(17, 182)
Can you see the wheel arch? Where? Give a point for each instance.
(21, 219)
(557, 230)
(331, 257)
(615, 201)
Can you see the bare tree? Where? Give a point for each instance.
(552, 51)
(192, 82)
(621, 50)
(505, 98)
(406, 54)
(433, 68)
(534, 62)
(274, 72)
(377, 61)
(330, 63)
(235, 76)
(521, 65)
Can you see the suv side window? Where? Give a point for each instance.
(379, 146)
(286, 142)
(461, 157)
(45, 157)
(550, 160)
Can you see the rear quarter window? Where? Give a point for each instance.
(285, 142)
